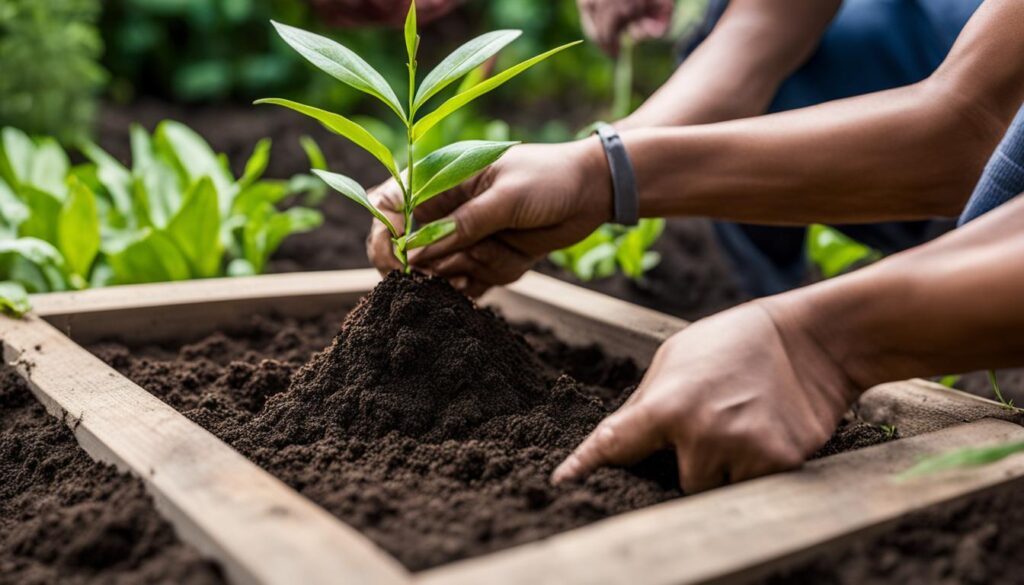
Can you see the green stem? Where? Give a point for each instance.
(622, 102)
(410, 188)
(999, 393)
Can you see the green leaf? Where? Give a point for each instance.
(265, 229)
(355, 192)
(78, 229)
(457, 101)
(950, 380)
(632, 253)
(412, 40)
(341, 63)
(450, 166)
(44, 209)
(241, 267)
(314, 153)
(49, 168)
(430, 233)
(150, 256)
(257, 163)
(18, 151)
(12, 210)
(263, 192)
(463, 61)
(115, 178)
(963, 458)
(341, 125)
(194, 159)
(35, 264)
(14, 299)
(834, 252)
(196, 230)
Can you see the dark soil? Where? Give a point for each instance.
(67, 519)
(972, 542)
(427, 423)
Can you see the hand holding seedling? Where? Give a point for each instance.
(738, 395)
(605, 21)
(426, 176)
(508, 217)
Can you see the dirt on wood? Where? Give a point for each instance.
(427, 423)
(67, 519)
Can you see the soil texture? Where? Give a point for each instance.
(427, 423)
(67, 519)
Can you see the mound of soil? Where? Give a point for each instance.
(65, 518)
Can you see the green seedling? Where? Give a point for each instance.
(962, 459)
(994, 381)
(434, 173)
(834, 253)
(176, 213)
(889, 430)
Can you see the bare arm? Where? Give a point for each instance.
(908, 153)
(739, 67)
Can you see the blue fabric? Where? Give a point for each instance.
(871, 45)
(1003, 178)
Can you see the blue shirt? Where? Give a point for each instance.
(1003, 178)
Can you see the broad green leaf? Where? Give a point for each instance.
(341, 125)
(412, 40)
(834, 252)
(632, 254)
(12, 210)
(257, 163)
(461, 99)
(49, 168)
(18, 151)
(78, 229)
(151, 256)
(35, 264)
(196, 230)
(116, 179)
(313, 153)
(464, 60)
(194, 159)
(44, 209)
(355, 192)
(963, 458)
(14, 299)
(263, 192)
(430, 233)
(241, 267)
(341, 63)
(597, 262)
(450, 166)
(142, 149)
(266, 228)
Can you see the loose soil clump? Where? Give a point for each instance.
(65, 518)
(427, 423)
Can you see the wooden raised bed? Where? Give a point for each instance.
(264, 532)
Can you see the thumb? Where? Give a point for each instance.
(623, 438)
(475, 220)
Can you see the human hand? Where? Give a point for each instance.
(739, 395)
(537, 198)
(604, 21)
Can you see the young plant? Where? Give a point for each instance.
(177, 213)
(834, 253)
(433, 174)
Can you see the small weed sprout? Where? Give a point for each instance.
(436, 172)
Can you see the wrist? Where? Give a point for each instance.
(595, 179)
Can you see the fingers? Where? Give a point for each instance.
(489, 261)
(623, 438)
(474, 220)
(388, 199)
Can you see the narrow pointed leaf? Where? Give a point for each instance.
(411, 38)
(457, 101)
(355, 192)
(450, 166)
(78, 229)
(430, 233)
(464, 60)
(341, 63)
(963, 458)
(257, 163)
(341, 125)
(314, 153)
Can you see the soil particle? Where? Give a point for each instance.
(65, 518)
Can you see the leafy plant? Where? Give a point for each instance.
(963, 458)
(833, 252)
(613, 246)
(51, 76)
(436, 172)
(177, 213)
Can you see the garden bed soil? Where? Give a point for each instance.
(427, 423)
(67, 519)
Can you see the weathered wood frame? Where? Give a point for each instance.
(264, 532)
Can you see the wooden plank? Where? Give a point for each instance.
(918, 406)
(175, 310)
(257, 527)
(580, 316)
(748, 530)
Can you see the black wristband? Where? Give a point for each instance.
(624, 193)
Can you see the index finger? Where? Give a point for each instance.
(623, 438)
(388, 199)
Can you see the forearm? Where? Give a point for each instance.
(909, 153)
(951, 306)
(737, 70)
